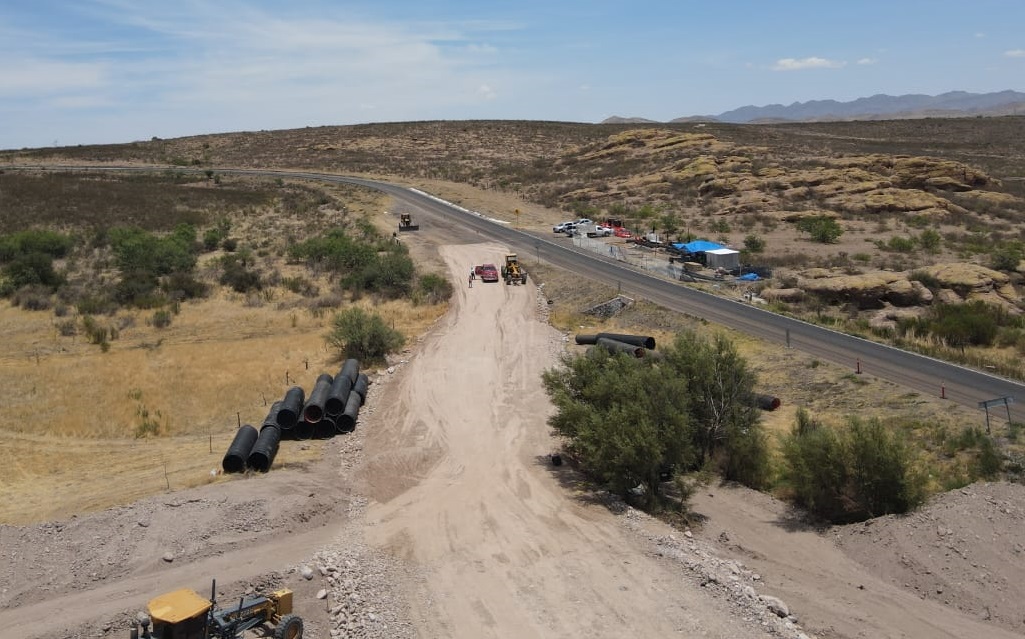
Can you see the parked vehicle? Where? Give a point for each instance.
(564, 227)
(583, 221)
(600, 230)
(512, 271)
(488, 273)
(622, 232)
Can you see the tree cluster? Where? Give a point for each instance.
(631, 422)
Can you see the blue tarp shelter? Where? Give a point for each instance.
(697, 246)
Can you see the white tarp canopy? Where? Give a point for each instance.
(724, 258)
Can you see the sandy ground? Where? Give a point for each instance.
(463, 490)
(445, 500)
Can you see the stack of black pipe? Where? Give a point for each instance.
(644, 346)
(332, 407)
(635, 345)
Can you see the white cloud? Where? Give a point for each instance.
(30, 77)
(486, 92)
(864, 61)
(798, 64)
(1015, 53)
(980, 34)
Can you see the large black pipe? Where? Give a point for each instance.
(235, 459)
(767, 402)
(265, 448)
(587, 340)
(360, 387)
(272, 416)
(636, 340)
(350, 369)
(302, 430)
(291, 407)
(615, 346)
(347, 420)
(324, 429)
(338, 395)
(313, 411)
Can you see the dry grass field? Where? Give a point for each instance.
(85, 429)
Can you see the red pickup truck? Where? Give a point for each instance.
(487, 272)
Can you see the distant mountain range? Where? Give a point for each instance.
(878, 107)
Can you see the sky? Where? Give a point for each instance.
(112, 71)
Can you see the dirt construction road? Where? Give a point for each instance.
(462, 490)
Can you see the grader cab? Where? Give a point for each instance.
(183, 614)
(512, 272)
(406, 223)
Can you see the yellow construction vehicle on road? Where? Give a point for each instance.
(183, 614)
(406, 223)
(512, 272)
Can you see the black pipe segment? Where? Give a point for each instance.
(587, 340)
(360, 387)
(324, 429)
(265, 448)
(313, 411)
(235, 459)
(636, 340)
(291, 407)
(767, 402)
(272, 416)
(350, 369)
(302, 430)
(338, 395)
(347, 420)
(615, 346)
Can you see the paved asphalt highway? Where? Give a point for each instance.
(923, 374)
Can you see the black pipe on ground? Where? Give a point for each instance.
(767, 402)
(350, 369)
(347, 420)
(291, 407)
(272, 417)
(302, 430)
(615, 346)
(338, 395)
(265, 448)
(235, 459)
(324, 429)
(360, 387)
(636, 340)
(587, 340)
(313, 411)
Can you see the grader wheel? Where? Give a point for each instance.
(291, 627)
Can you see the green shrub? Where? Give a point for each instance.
(754, 244)
(31, 269)
(362, 335)
(822, 229)
(930, 240)
(432, 289)
(161, 319)
(900, 244)
(850, 474)
(237, 274)
(51, 243)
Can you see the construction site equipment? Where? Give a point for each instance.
(512, 272)
(406, 223)
(235, 459)
(183, 614)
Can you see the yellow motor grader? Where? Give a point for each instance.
(183, 614)
(512, 272)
